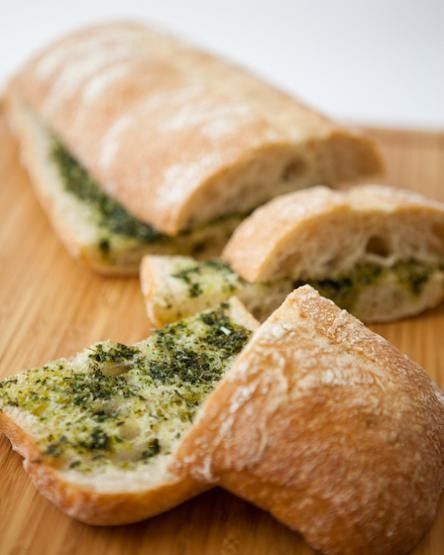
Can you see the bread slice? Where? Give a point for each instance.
(92, 226)
(329, 427)
(374, 250)
(321, 232)
(377, 251)
(175, 287)
(98, 431)
(177, 136)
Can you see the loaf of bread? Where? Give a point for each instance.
(327, 426)
(98, 431)
(137, 141)
(376, 251)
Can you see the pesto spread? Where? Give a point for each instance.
(200, 276)
(111, 216)
(122, 405)
(116, 227)
(215, 281)
(344, 290)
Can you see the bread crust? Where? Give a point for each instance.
(86, 504)
(106, 90)
(272, 242)
(327, 426)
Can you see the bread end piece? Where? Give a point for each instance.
(330, 428)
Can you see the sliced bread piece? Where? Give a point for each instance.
(321, 232)
(98, 431)
(175, 287)
(329, 427)
(374, 250)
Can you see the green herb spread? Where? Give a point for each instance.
(119, 405)
(206, 275)
(117, 228)
(213, 281)
(111, 216)
(344, 290)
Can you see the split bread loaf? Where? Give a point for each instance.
(146, 144)
(374, 250)
(327, 426)
(98, 431)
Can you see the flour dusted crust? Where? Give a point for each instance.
(177, 135)
(319, 232)
(330, 428)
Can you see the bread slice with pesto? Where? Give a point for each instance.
(91, 224)
(328, 427)
(175, 287)
(173, 144)
(374, 250)
(98, 431)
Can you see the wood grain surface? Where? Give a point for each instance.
(50, 306)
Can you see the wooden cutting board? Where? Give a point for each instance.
(50, 306)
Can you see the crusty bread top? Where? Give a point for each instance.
(156, 121)
(329, 427)
(319, 232)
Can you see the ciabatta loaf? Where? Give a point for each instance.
(327, 426)
(98, 431)
(177, 137)
(374, 250)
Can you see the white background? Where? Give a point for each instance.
(370, 61)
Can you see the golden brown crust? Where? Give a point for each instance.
(107, 90)
(330, 428)
(86, 504)
(257, 250)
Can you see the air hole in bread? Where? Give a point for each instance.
(290, 260)
(331, 263)
(438, 231)
(377, 245)
(295, 168)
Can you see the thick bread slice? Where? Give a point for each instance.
(176, 135)
(76, 221)
(97, 431)
(175, 287)
(327, 426)
(319, 232)
(387, 241)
